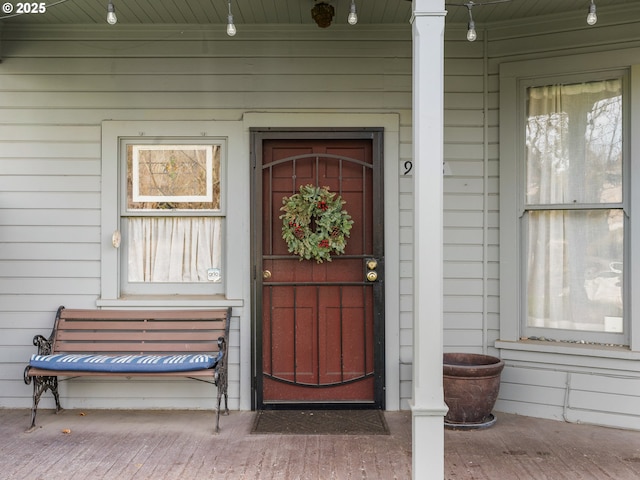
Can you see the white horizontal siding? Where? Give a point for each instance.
(141, 393)
(195, 100)
(161, 48)
(116, 84)
(406, 222)
(57, 86)
(606, 398)
(464, 198)
(53, 233)
(532, 391)
(214, 64)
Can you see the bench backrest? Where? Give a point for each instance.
(139, 331)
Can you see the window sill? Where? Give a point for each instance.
(574, 349)
(170, 301)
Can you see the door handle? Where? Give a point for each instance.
(266, 274)
(372, 276)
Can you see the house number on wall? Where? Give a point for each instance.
(408, 166)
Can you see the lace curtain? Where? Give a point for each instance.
(573, 210)
(176, 250)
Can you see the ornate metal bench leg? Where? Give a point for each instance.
(54, 390)
(39, 388)
(41, 385)
(221, 383)
(223, 388)
(36, 399)
(226, 399)
(218, 412)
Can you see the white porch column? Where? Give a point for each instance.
(428, 407)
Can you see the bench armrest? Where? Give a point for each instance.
(44, 345)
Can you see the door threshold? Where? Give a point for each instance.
(319, 406)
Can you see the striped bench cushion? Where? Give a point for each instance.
(125, 363)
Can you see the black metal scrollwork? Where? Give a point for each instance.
(44, 345)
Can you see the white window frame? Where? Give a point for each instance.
(513, 78)
(115, 134)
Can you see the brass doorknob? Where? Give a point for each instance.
(372, 276)
(266, 274)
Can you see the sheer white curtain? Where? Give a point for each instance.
(575, 247)
(176, 250)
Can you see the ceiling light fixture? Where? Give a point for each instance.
(111, 14)
(231, 28)
(592, 18)
(322, 13)
(353, 15)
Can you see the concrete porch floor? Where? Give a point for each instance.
(115, 444)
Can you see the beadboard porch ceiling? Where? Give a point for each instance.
(144, 12)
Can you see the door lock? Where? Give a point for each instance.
(266, 274)
(371, 272)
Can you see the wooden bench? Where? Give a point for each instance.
(132, 343)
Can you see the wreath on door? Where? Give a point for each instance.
(314, 224)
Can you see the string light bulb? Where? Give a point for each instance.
(472, 35)
(111, 14)
(231, 28)
(471, 31)
(592, 18)
(353, 15)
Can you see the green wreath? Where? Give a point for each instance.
(314, 225)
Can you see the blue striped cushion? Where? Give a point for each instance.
(125, 363)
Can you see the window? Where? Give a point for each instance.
(595, 178)
(564, 194)
(165, 202)
(573, 210)
(170, 217)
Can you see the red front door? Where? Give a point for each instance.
(320, 325)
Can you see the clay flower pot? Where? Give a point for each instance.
(471, 385)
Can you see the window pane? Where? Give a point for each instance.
(575, 270)
(175, 250)
(173, 177)
(574, 143)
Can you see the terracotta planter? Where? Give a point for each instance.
(471, 385)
